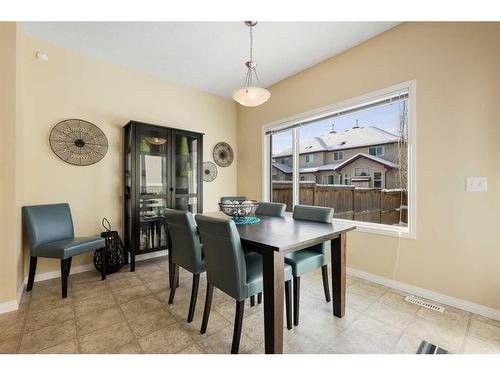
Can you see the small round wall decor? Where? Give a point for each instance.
(209, 171)
(223, 154)
(78, 142)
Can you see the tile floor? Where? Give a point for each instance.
(128, 313)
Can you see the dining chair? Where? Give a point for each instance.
(268, 209)
(186, 252)
(51, 235)
(313, 257)
(234, 272)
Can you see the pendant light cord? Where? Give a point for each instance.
(251, 69)
(251, 43)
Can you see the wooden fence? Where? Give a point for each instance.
(348, 202)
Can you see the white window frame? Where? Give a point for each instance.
(340, 155)
(345, 178)
(410, 231)
(376, 147)
(309, 158)
(381, 179)
(362, 175)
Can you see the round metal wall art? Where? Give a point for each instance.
(209, 171)
(78, 142)
(223, 154)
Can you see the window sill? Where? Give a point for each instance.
(382, 229)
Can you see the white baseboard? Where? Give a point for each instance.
(8, 306)
(90, 266)
(13, 305)
(428, 294)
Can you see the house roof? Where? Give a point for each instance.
(355, 137)
(376, 159)
(287, 169)
(337, 166)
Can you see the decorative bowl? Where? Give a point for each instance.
(238, 210)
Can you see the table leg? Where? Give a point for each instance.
(273, 268)
(339, 274)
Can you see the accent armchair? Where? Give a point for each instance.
(51, 235)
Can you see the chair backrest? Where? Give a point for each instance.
(270, 209)
(186, 247)
(240, 198)
(224, 259)
(48, 223)
(313, 213)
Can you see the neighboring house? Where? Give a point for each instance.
(360, 156)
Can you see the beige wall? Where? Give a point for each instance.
(72, 85)
(456, 67)
(11, 266)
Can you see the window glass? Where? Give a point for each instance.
(362, 172)
(282, 168)
(332, 152)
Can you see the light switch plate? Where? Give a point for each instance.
(476, 185)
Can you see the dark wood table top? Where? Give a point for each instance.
(286, 234)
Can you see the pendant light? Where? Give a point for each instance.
(250, 95)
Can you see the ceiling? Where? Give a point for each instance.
(209, 56)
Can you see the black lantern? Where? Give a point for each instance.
(116, 256)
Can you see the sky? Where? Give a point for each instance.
(385, 117)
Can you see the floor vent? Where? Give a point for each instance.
(427, 305)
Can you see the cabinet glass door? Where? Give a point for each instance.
(153, 188)
(186, 165)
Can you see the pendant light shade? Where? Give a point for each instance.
(250, 95)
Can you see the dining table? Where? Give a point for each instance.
(273, 238)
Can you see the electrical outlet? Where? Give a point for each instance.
(476, 185)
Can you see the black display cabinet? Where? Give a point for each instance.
(162, 169)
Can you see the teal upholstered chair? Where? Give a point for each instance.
(234, 272)
(186, 252)
(268, 209)
(51, 235)
(313, 257)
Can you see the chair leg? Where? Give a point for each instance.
(259, 298)
(238, 322)
(208, 307)
(288, 303)
(31, 277)
(68, 266)
(296, 300)
(194, 296)
(170, 269)
(64, 277)
(252, 301)
(324, 274)
(104, 263)
(174, 285)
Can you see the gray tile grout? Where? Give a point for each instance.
(125, 318)
(78, 348)
(469, 322)
(21, 335)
